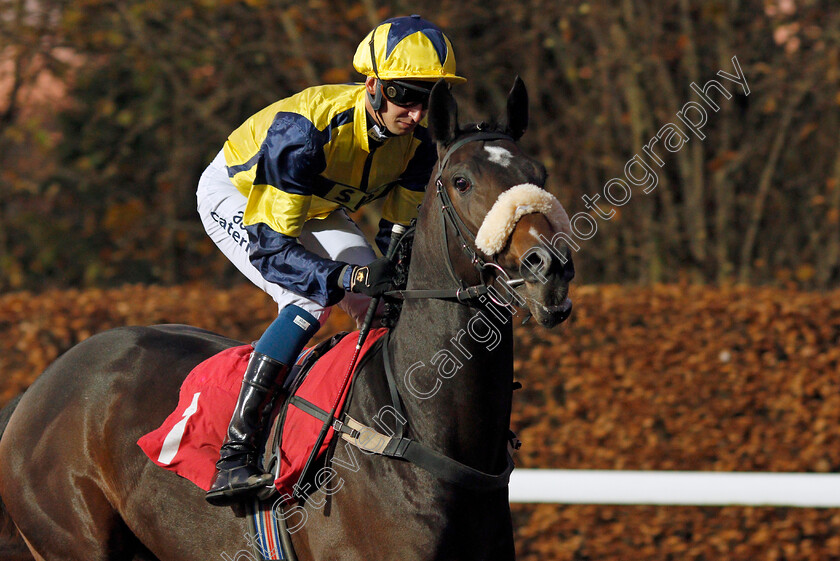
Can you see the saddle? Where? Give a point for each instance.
(311, 389)
(188, 441)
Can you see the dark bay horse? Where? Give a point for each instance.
(78, 487)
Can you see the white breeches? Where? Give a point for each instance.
(221, 207)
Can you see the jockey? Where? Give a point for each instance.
(276, 197)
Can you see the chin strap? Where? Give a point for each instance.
(379, 132)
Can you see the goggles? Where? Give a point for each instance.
(406, 94)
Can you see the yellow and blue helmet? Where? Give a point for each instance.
(407, 48)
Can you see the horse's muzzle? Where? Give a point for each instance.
(550, 316)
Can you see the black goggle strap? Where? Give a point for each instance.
(377, 96)
(373, 53)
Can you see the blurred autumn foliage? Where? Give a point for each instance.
(109, 110)
(35, 329)
(662, 377)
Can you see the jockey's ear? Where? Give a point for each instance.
(443, 114)
(517, 109)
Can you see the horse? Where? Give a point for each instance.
(78, 487)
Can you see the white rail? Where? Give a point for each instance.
(697, 488)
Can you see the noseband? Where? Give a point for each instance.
(465, 239)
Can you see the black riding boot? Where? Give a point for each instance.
(238, 474)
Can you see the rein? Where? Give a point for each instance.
(465, 293)
(400, 447)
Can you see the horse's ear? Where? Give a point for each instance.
(517, 109)
(443, 114)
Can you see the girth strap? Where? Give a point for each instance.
(321, 415)
(422, 456)
(396, 400)
(367, 438)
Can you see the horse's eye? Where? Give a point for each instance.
(462, 184)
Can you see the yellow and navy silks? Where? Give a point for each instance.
(308, 155)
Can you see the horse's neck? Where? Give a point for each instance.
(453, 365)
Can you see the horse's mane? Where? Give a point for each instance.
(402, 261)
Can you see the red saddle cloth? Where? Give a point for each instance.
(189, 440)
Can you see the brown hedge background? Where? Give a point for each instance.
(663, 377)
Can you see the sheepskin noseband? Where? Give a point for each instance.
(512, 205)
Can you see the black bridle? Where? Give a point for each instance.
(465, 293)
(398, 446)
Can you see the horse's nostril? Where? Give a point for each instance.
(538, 264)
(535, 265)
(536, 260)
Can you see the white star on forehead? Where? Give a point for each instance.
(499, 155)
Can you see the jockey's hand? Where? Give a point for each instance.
(374, 279)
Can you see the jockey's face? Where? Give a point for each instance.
(397, 119)
(401, 120)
